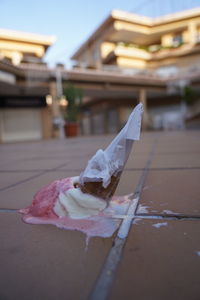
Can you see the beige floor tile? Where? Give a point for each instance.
(176, 191)
(44, 262)
(21, 195)
(160, 263)
(178, 160)
(10, 178)
(128, 182)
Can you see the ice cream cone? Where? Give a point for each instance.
(96, 188)
(102, 174)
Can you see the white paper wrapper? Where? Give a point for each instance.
(112, 160)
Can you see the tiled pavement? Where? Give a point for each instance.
(160, 257)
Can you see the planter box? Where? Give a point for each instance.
(71, 129)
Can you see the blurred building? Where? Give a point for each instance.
(165, 44)
(128, 59)
(24, 114)
(155, 60)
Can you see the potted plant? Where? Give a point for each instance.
(74, 98)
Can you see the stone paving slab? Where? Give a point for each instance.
(43, 262)
(180, 160)
(128, 182)
(177, 142)
(160, 263)
(78, 163)
(137, 161)
(10, 178)
(172, 191)
(143, 146)
(21, 194)
(35, 164)
(170, 147)
(54, 147)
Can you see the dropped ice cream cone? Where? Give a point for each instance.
(102, 173)
(69, 201)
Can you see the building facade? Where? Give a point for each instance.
(126, 40)
(164, 50)
(24, 77)
(128, 59)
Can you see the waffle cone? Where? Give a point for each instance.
(96, 188)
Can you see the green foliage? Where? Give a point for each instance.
(143, 47)
(189, 95)
(74, 97)
(151, 48)
(154, 48)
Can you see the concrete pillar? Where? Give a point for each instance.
(92, 122)
(143, 100)
(55, 109)
(98, 55)
(192, 30)
(55, 103)
(46, 122)
(167, 40)
(185, 36)
(106, 116)
(1, 126)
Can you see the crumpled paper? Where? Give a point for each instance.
(112, 160)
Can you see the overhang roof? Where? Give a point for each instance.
(143, 20)
(105, 77)
(112, 77)
(32, 38)
(117, 15)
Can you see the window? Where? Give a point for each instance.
(167, 70)
(198, 37)
(177, 40)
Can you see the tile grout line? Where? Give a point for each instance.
(30, 178)
(159, 217)
(79, 170)
(40, 172)
(8, 210)
(168, 216)
(22, 181)
(164, 169)
(105, 279)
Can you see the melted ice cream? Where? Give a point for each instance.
(76, 204)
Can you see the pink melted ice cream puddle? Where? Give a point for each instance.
(41, 211)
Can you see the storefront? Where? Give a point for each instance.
(23, 118)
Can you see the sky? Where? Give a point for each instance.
(73, 21)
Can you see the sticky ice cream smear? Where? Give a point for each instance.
(63, 198)
(44, 200)
(63, 205)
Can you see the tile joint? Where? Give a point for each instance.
(104, 282)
